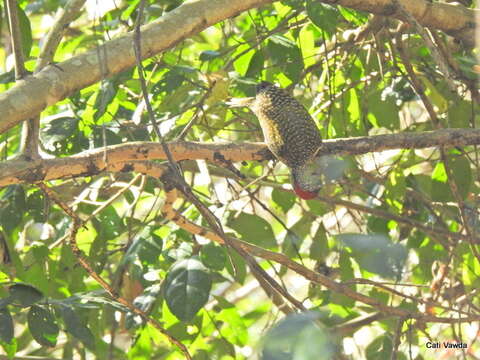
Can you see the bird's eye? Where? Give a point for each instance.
(264, 85)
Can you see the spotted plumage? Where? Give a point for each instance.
(290, 133)
(289, 130)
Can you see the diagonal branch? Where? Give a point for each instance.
(55, 83)
(29, 98)
(65, 15)
(342, 288)
(83, 261)
(159, 171)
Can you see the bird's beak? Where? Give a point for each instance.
(240, 102)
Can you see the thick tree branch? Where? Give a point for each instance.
(55, 83)
(35, 93)
(456, 21)
(158, 171)
(362, 145)
(95, 161)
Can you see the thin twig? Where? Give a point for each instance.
(16, 38)
(175, 180)
(418, 86)
(311, 275)
(76, 224)
(436, 55)
(65, 15)
(396, 339)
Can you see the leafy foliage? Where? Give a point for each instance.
(399, 227)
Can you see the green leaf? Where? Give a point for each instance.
(383, 109)
(220, 348)
(150, 248)
(291, 244)
(10, 348)
(435, 96)
(26, 32)
(285, 54)
(213, 256)
(187, 288)
(108, 224)
(460, 114)
(144, 302)
(439, 173)
(295, 236)
(319, 246)
(142, 348)
(74, 326)
(209, 55)
(24, 295)
(236, 332)
(324, 16)
(377, 224)
(236, 266)
(468, 65)
(283, 199)
(6, 326)
(379, 347)
(7, 77)
(379, 295)
(255, 65)
(106, 94)
(171, 80)
(353, 108)
(376, 253)
(299, 336)
(254, 229)
(42, 326)
(12, 207)
(353, 16)
(57, 131)
(462, 174)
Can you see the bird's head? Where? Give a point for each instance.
(307, 179)
(272, 94)
(310, 177)
(265, 86)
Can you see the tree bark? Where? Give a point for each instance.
(96, 161)
(32, 95)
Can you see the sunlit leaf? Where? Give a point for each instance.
(324, 16)
(253, 229)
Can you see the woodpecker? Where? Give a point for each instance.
(290, 133)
